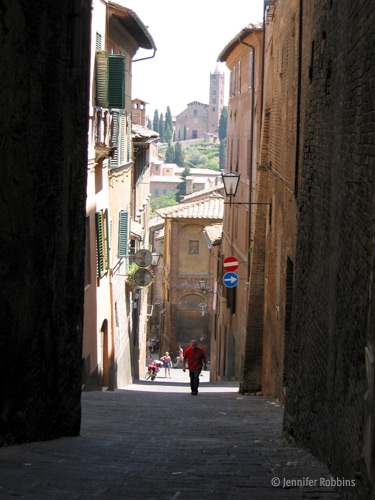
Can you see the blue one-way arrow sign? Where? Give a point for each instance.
(230, 280)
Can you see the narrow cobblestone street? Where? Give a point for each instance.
(154, 440)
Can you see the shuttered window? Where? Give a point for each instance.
(102, 241)
(116, 81)
(98, 41)
(113, 162)
(110, 80)
(122, 139)
(128, 131)
(123, 233)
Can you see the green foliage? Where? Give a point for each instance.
(168, 132)
(223, 124)
(155, 125)
(164, 200)
(170, 154)
(161, 127)
(149, 124)
(185, 133)
(181, 187)
(223, 148)
(178, 155)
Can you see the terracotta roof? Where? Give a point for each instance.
(222, 57)
(214, 233)
(141, 132)
(211, 191)
(209, 208)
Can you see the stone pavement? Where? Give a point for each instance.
(154, 441)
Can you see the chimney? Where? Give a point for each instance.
(189, 185)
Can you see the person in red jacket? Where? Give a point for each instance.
(196, 358)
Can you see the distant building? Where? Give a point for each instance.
(139, 112)
(199, 119)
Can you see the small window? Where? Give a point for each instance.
(157, 167)
(164, 191)
(193, 247)
(156, 192)
(213, 109)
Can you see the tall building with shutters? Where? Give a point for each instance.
(112, 344)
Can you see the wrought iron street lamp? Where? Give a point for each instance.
(231, 181)
(155, 257)
(202, 286)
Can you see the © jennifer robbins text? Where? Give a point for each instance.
(308, 482)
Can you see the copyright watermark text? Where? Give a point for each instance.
(308, 482)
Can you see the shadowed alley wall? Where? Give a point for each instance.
(333, 304)
(44, 47)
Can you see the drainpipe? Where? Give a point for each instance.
(144, 58)
(251, 149)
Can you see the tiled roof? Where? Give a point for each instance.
(214, 233)
(211, 191)
(210, 208)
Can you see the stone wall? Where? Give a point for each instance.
(333, 303)
(45, 53)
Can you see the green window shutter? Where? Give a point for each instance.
(123, 231)
(129, 133)
(116, 81)
(101, 78)
(106, 238)
(99, 242)
(113, 162)
(122, 138)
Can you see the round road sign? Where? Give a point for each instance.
(230, 280)
(230, 264)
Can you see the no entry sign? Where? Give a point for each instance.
(230, 264)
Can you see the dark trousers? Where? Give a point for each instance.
(194, 380)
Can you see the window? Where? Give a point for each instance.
(234, 82)
(193, 247)
(157, 167)
(110, 80)
(156, 192)
(213, 109)
(123, 233)
(164, 191)
(98, 41)
(102, 243)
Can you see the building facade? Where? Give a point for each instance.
(188, 311)
(243, 57)
(111, 341)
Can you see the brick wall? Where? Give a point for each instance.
(45, 50)
(333, 305)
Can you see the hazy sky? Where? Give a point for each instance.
(189, 35)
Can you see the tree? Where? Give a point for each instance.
(170, 154)
(179, 134)
(149, 124)
(155, 125)
(178, 155)
(168, 125)
(223, 124)
(165, 200)
(184, 132)
(223, 148)
(168, 132)
(181, 187)
(161, 127)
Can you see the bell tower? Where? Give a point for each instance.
(216, 100)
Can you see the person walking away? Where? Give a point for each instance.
(196, 358)
(167, 361)
(180, 356)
